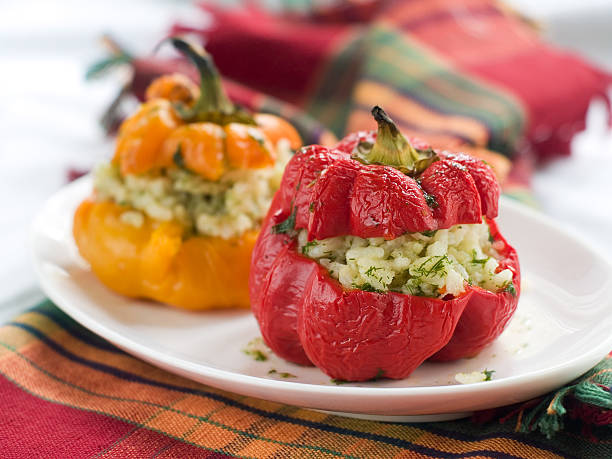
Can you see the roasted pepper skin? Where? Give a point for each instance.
(307, 317)
(357, 335)
(153, 261)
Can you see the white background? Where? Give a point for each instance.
(48, 113)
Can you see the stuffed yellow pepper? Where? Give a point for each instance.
(175, 215)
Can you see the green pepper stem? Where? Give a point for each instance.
(393, 149)
(213, 103)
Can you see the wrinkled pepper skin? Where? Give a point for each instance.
(153, 261)
(356, 335)
(308, 317)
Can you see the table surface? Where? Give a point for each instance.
(49, 113)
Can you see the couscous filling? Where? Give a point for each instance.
(433, 264)
(225, 208)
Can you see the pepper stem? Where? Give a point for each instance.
(213, 103)
(393, 149)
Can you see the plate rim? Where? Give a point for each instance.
(169, 362)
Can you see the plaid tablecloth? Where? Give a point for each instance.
(65, 392)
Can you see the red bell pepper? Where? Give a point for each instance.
(374, 185)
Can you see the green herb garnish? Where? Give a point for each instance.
(256, 354)
(366, 287)
(252, 351)
(477, 261)
(488, 374)
(286, 225)
(311, 207)
(282, 374)
(306, 248)
(437, 267)
(371, 273)
(379, 374)
(429, 233)
(430, 200)
(510, 288)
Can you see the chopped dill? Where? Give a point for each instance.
(366, 287)
(477, 261)
(510, 288)
(488, 374)
(371, 273)
(282, 374)
(430, 200)
(286, 225)
(252, 351)
(310, 244)
(437, 267)
(379, 374)
(258, 355)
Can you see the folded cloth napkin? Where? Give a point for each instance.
(451, 71)
(65, 392)
(461, 74)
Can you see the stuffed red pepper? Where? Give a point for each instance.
(382, 253)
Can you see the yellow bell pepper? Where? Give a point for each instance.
(180, 125)
(153, 261)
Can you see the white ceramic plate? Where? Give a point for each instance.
(563, 326)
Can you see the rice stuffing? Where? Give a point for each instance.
(225, 208)
(432, 264)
